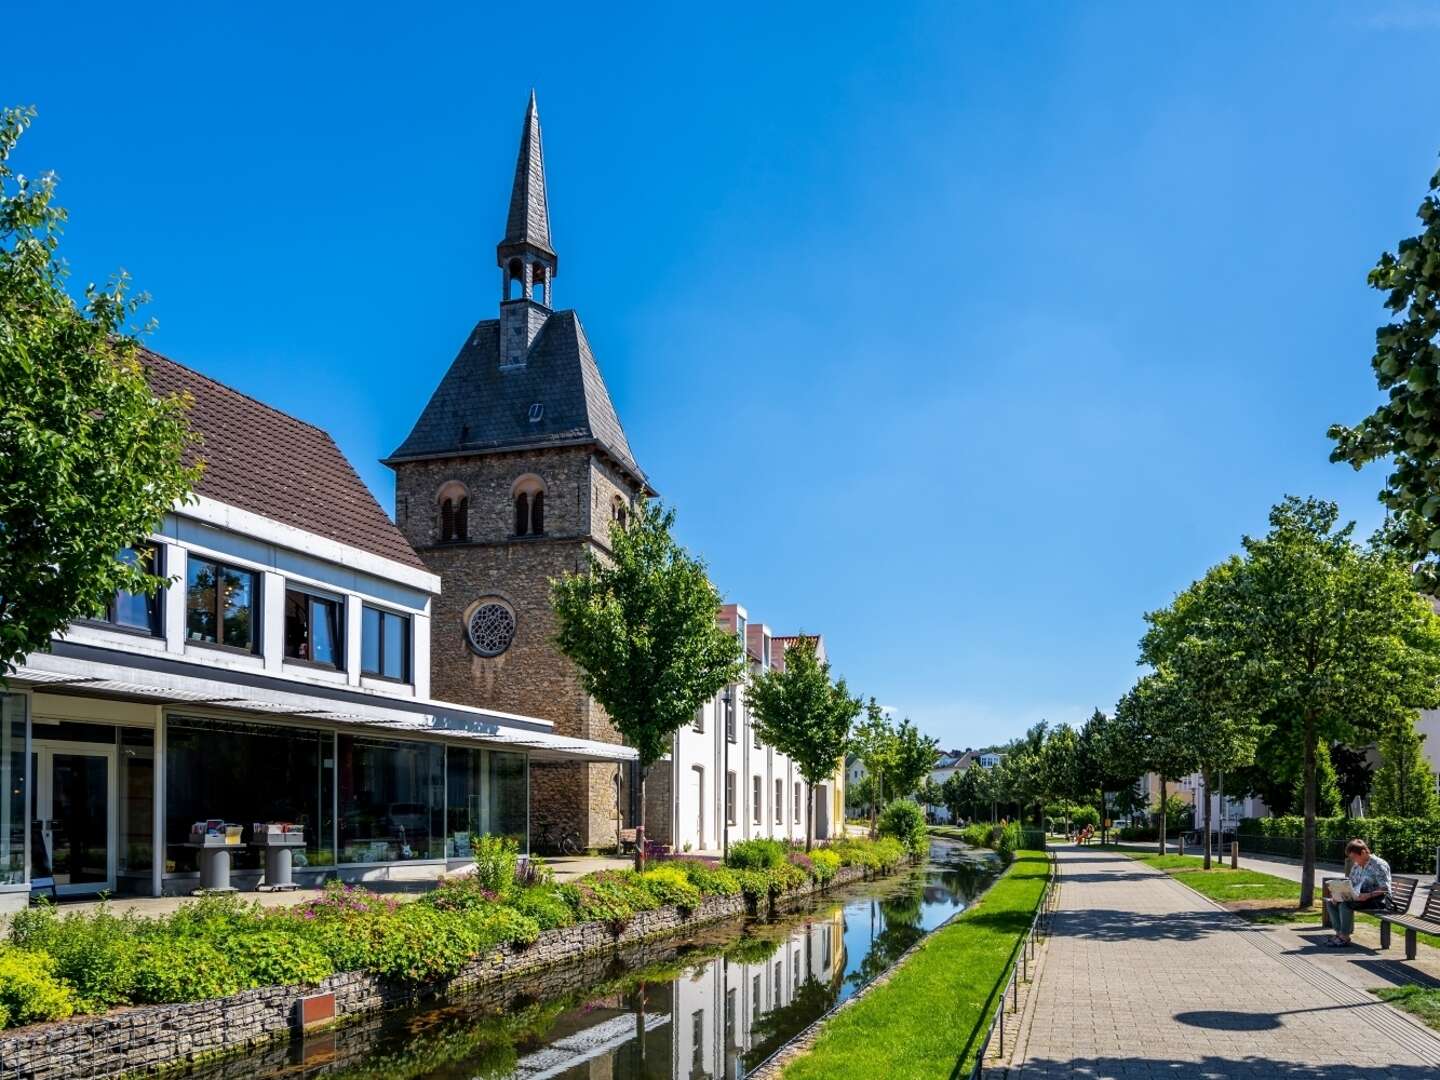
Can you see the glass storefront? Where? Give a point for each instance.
(392, 799)
(486, 794)
(14, 799)
(137, 808)
(244, 773)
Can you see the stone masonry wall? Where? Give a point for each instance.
(151, 1038)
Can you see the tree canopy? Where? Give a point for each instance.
(805, 715)
(90, 458)
(1404, 431)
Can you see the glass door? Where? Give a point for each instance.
(75, 818)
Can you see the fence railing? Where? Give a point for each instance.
(1021, 957)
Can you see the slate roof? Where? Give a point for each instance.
(529, 218)
(478, 407)
(260, 459)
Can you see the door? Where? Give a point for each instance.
(75, 815)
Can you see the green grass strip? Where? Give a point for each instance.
(1223, 884)
(1422, 1001)
(933, 1011)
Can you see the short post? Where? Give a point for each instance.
(1437, 865)
(1182, 843)
(1234, 854)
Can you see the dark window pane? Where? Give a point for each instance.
(391, 800)
(522, 514)
(238, 586)
(136, 610)
(370, 641)
(137, 806)
(297, 625)
(243, 773)
(325, 632)
(200, 601)
(537, 513)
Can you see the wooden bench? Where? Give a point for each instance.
(1402, 892)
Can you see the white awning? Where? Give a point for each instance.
(56, 674)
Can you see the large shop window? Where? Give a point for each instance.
(12, 789)
(486, 795)
(385, 644)
(246, 773)
(392, 800)
(312, 629)
(220, 604)
(137, 808)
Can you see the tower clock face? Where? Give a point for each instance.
(490, 628)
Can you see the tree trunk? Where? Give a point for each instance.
(1205, 786)
(810, 817)
(640, 833)
(1161, 826)
(1307, 852)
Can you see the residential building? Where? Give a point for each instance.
(721, 781)
(282, 675)
(947, 765)
(511, 477)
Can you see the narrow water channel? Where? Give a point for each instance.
(713, 1005)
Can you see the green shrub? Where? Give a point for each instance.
(501, 925)
(418, 943)
(1136, 834)
(824, 864)
(755, 884)
(669, 884)
(1085, 815)
(1407, 844)
(183, 969)
(876, 856)
(274, 957)
(711, 880)
(608, 896)
(94, 954)
(30, 990)
(905, 821)
(213, 916)
(495, 861)
(545, 904)
(756, 854)
(466, 893)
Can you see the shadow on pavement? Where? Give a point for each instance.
(1215, 1068)
(1107, 924)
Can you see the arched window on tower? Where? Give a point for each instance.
(529, 495)
(619, 512)
(454, 512)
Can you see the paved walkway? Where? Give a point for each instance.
(1145, 978)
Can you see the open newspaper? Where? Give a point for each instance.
(1342, 890)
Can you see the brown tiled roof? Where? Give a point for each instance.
(262, 460)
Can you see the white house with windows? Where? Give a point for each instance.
(281, 676)
(947, 765)
(721, 782)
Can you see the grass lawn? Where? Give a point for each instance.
(932, 1013)
(1423, 1001)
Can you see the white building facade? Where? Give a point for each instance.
(720, 783)
(282, 675)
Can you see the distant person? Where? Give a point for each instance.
(1369, 877)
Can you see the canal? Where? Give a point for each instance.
(714, 1004)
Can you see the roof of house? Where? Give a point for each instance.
(260, 459)
(480, 407)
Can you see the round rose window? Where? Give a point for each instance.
(491, 629)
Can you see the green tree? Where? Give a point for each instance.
(959, 794)
(641, 627)
(1333, 639)
(806, 716)
(1196, 641)
(928, 793)
(1404, 432)
(873, 742)
(1156, 717)
(1062, 770)
(1353, 774)
(1108, 762)
(90, 458)
(1328, 802)
(913, 759)
(1404, 785)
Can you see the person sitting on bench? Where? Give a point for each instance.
(1369, 878)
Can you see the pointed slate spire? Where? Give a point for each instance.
(528, 224)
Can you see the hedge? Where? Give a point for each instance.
(1407, 844)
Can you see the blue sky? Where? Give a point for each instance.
(962, 334)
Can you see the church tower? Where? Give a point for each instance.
(511, 477)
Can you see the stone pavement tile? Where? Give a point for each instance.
(1143, 978)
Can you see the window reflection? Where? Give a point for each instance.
(392, 799)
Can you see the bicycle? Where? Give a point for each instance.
(565, 841)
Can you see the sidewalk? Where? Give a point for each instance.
(1145, 978)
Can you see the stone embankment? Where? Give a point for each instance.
(154, 1038)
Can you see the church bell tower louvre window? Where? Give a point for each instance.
(490, 627)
